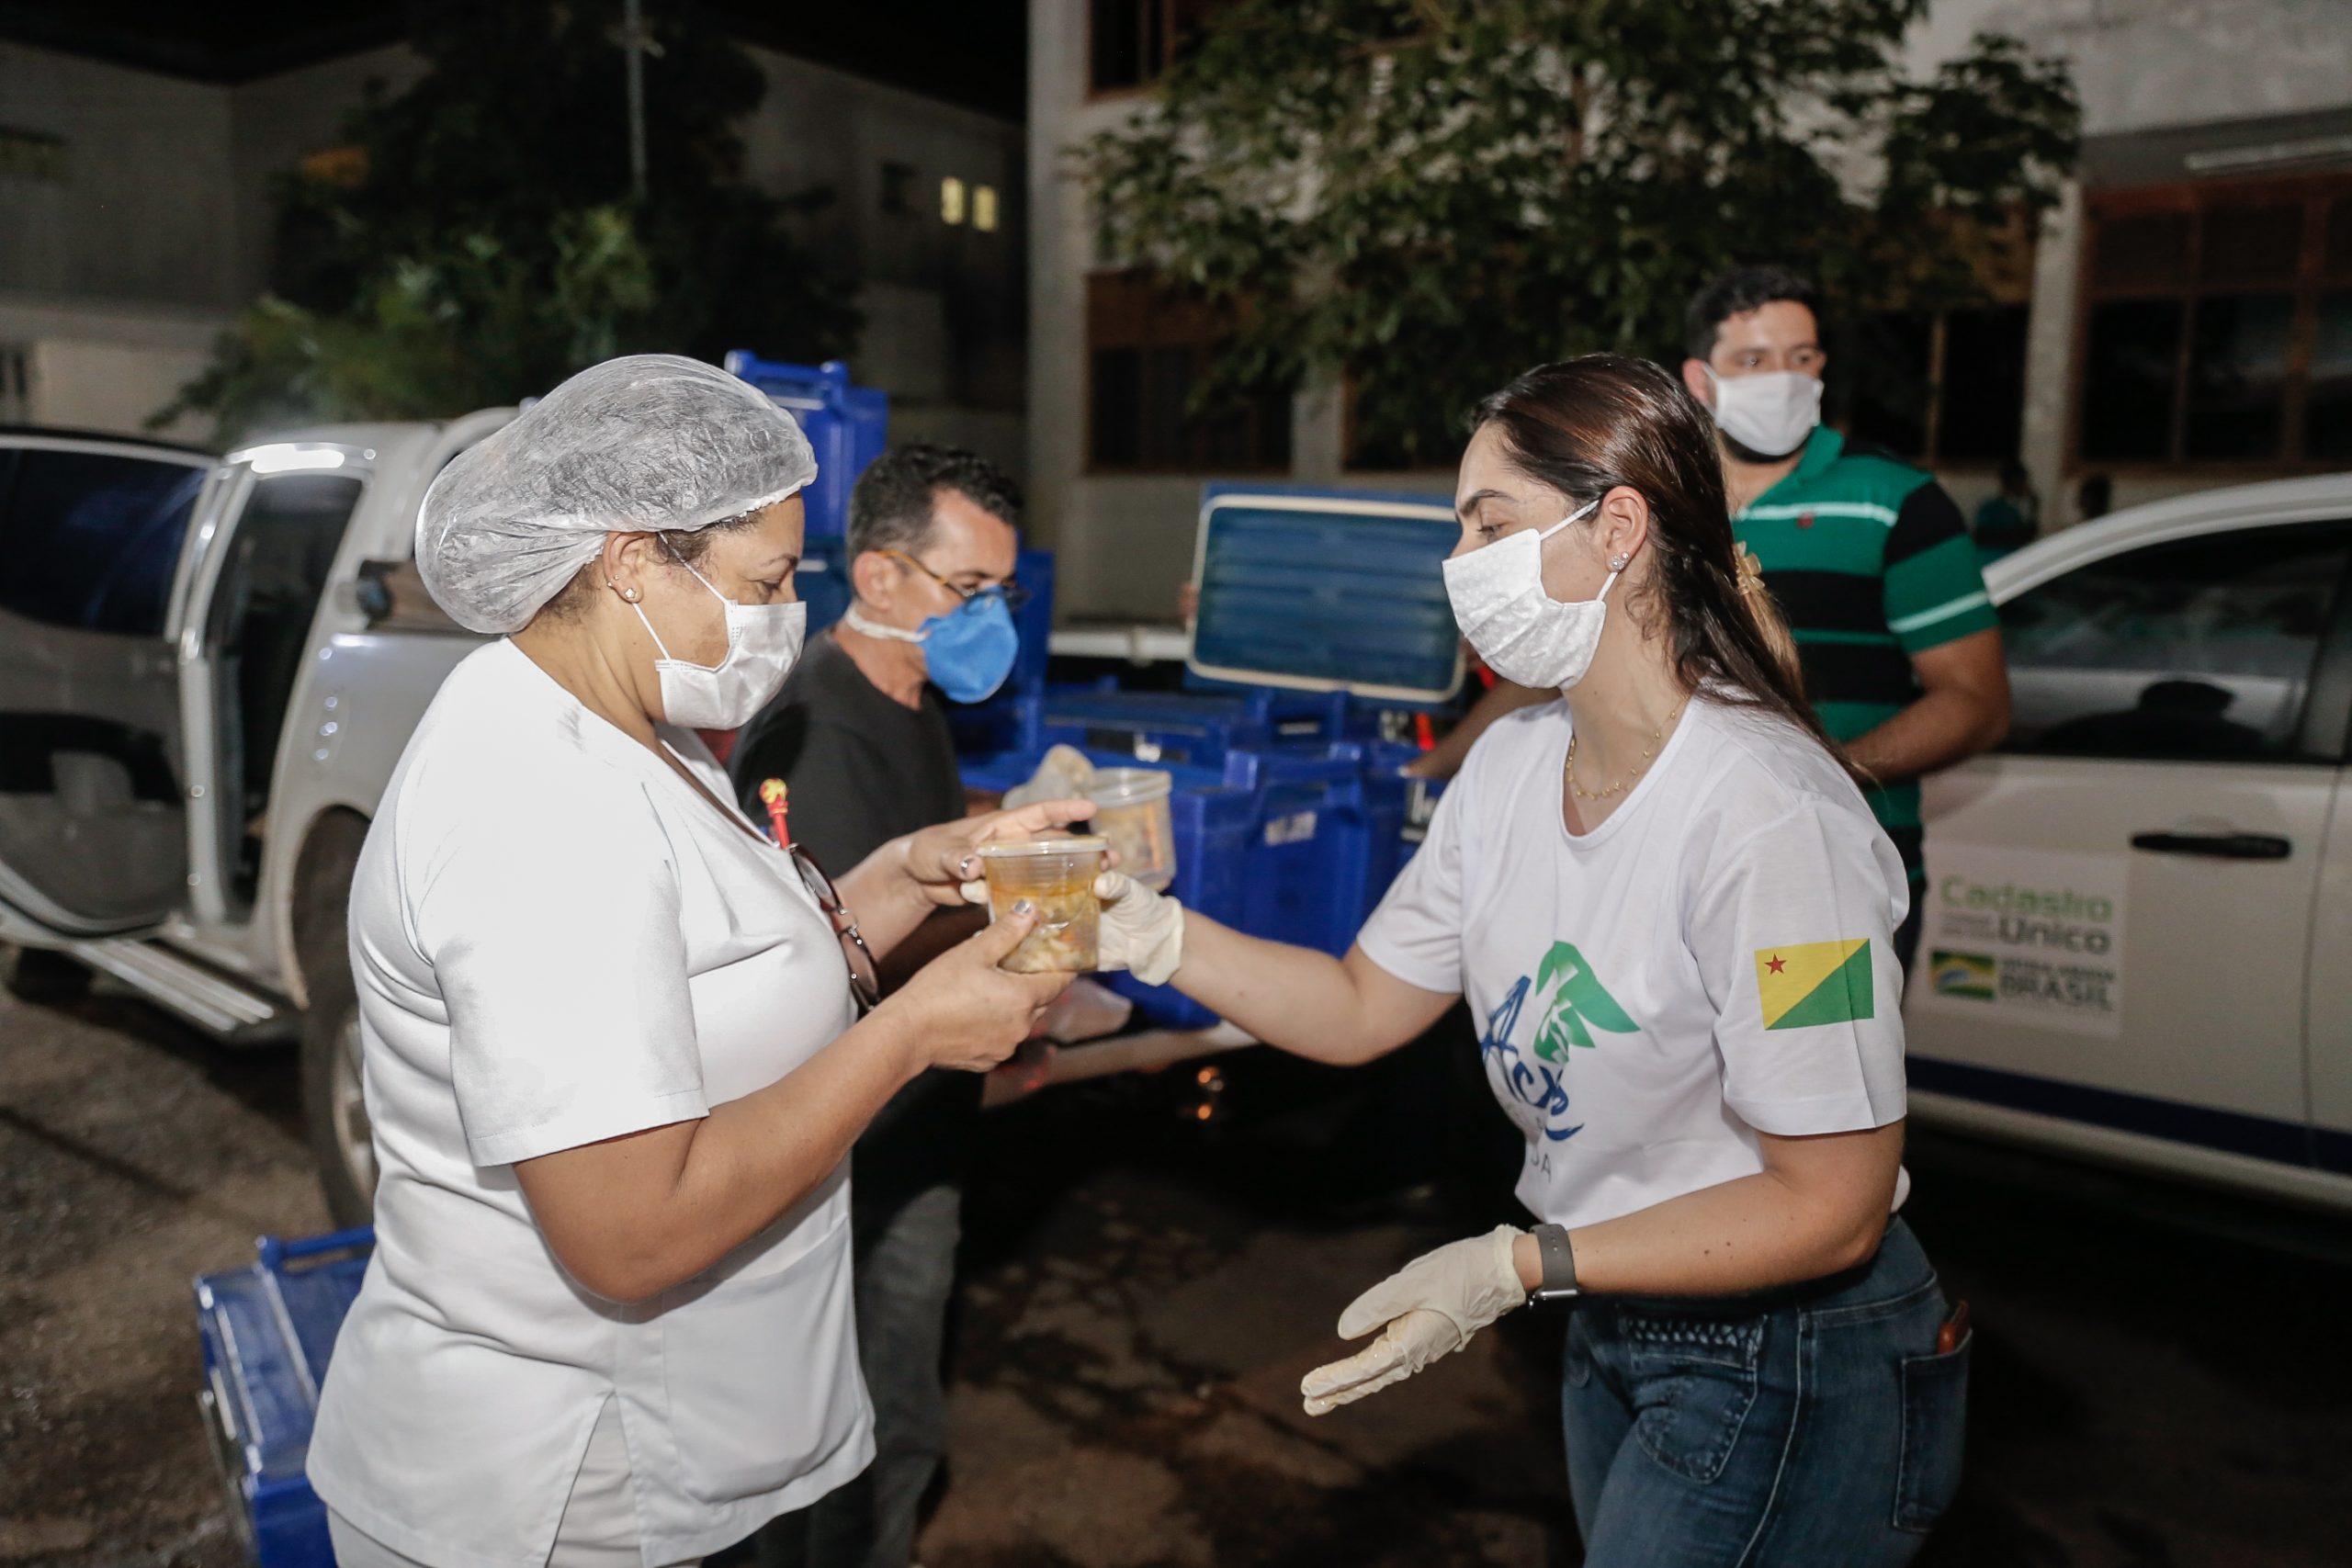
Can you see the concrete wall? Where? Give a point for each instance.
(143, 203)
(107, 368)
(2148, 71)
(81, 385)
(1124, 542)
(2141, 64)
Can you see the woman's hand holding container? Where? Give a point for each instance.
(1057, 877)
(1136, 929)
(963, 1010)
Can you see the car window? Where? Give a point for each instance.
(91, 538)
(2194, 651)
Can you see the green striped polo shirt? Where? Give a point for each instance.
(1872, 563)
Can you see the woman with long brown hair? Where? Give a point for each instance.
(1672, 912)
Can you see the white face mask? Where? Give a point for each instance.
(1771, 412)
(762, 645)
(1522, 633)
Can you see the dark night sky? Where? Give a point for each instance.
(972, 51)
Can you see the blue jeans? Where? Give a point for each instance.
(905, 1273)
(1798, 1429)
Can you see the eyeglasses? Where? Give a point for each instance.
(865, 979)
(1011, 590)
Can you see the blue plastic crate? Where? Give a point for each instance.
(1319, 836)
(1213, 829)
(1193, 727)
(266, 1331)
(822, 581)
(844, 424)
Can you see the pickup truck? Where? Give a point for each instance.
(209, 667)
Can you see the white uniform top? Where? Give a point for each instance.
(1714, 961)
(556, 942)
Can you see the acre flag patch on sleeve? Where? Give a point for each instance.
(1815, 983)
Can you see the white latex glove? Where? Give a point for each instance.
(1431, 1307)
(1142, 932)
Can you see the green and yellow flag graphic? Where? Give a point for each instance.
(1815, 982)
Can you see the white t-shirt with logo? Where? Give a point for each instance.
(1716, 960)
(558, 941)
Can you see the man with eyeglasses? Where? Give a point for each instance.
(1866, 556)
(860, 738)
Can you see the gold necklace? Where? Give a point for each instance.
(1657, 739)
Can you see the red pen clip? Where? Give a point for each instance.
(771, 795)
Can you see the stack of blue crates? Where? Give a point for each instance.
(1195, 729)
(266, 1332)
(846, 426)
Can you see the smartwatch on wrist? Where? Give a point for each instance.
(1559, 1265)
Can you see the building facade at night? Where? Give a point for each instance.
(2184, 319)
(135, 220)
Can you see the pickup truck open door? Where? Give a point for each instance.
(92, 797)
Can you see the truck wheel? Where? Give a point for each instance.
(37, 974)
(333, 1113)
(332, 1109)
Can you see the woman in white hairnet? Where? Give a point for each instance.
(613, 1053)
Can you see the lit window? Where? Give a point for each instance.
(984, 209)
(951, 200)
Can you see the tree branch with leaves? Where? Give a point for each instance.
(474, 239)
(1426, 197)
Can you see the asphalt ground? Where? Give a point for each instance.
(2162, 1377)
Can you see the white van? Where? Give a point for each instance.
(2138, 913)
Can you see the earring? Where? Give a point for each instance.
(1617, 563)
(629, 595)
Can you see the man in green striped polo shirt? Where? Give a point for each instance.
(1867, 556)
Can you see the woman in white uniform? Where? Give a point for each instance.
(611, 1035)
(1672, 913)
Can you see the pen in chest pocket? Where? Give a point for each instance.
(773, 795)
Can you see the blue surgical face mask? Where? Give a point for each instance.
(967, 652)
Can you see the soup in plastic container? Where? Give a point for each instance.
(1056, 875)
(1131, 811)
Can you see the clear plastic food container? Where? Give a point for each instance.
(1131, 811)
(1056, 875)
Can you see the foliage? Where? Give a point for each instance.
(1428, 195)
(475, 239)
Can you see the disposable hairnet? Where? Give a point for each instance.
(651, 441)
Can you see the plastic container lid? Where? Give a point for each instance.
(1324, 590)
(1083, 844)
(1128, 787)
